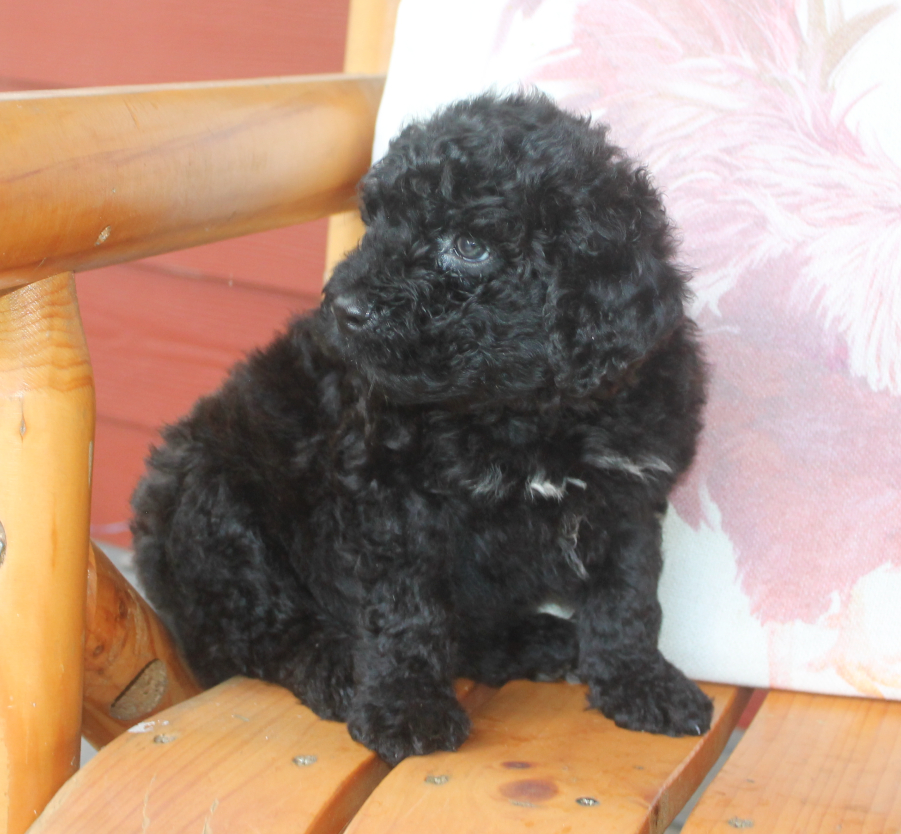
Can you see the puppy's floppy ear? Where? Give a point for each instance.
(615, 293)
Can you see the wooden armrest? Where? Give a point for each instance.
(813, 763)
(95, 177)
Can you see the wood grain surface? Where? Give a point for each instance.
(132, 668)
(56, 43)
(125, 173)
(370, 37)
(539, 760)
(46, 432)
(242, 757)
(812, 764)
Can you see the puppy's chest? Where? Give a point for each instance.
(517, 491)
(523, 505)
(546, 534)
(585, 468)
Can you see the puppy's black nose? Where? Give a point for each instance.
(349, 313)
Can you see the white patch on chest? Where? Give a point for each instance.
(642, 468)
(540, 485)
(569, 540)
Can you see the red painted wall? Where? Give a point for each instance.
(165, 330)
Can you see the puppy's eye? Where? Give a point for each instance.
(469, 249)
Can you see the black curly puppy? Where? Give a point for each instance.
(486, 414)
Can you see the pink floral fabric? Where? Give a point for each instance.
(774, 129)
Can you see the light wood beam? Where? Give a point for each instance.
(96, 177)
(46, 444)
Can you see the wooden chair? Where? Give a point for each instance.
(102, 176)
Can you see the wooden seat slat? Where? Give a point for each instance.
(538, 759)
(245, 756)
(223, 761)
(815, 764)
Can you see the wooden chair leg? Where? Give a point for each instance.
(46, 443)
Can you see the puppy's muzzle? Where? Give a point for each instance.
(349, 313)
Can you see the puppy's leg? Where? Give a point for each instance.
(316, 664)
(232, 605)
(629, 680)
(404, 702)
(535, 646)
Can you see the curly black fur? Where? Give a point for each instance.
(486, 414)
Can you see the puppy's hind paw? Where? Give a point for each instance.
(656, 698)
(414, 728)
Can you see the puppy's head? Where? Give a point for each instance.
(511, 252)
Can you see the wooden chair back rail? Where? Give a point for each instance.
(96, 177)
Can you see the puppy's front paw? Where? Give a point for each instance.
(655, 697)
(411, 727)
